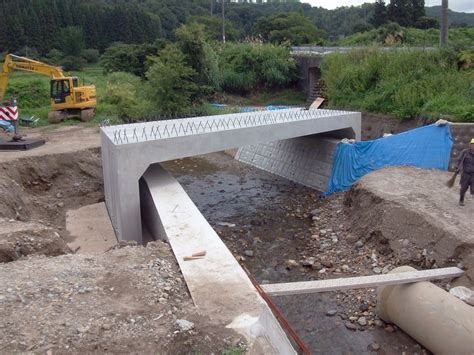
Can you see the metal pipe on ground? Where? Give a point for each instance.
(435, 318)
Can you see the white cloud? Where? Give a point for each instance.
(455, 5)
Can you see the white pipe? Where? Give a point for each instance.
(433, 317)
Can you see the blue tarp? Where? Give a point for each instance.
(426, 147)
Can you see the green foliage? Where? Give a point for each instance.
(30, 93)
(54, 56)
(213, 27)
(171, 82)
(246, 67)
(91, 55)
(124, 93)
(73, 63)
(408, 84)
(393, 34)
(72, 41)
(293, 28)
(130, 58)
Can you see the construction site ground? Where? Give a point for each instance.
(60, 289)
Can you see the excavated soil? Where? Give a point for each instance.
(40, 190)
(128, 300)
(412, 212)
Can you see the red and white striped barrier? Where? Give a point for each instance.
(9, 113)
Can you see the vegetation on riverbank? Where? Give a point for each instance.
(405, 83)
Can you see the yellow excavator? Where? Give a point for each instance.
(68, 99)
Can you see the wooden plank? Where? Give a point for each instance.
(296, 288)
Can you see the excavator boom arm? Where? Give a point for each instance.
(13, 62)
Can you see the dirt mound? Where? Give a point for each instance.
(128, 300)
(412, 211)
(19, 239)
(43, 188)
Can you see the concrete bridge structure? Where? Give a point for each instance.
(128, 150)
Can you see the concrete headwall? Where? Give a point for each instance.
(305, 160)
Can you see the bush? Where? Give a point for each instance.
(172, 86)
(55, 57)
(90, 55)
(130, 58)
(73, 63)
(245, 67)
(29, 92)
(408, 83)
(124, 92)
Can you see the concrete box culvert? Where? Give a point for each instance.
(433, 317)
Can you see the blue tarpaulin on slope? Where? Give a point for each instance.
(426, 147)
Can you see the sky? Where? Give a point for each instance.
(455, 5)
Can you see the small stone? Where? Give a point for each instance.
(362, 321)
(350, 326)
(378, 323)
(345, 268)
(389, 329)
(314, 212)
(184, 325)
(248, 253)
(374, 346)
(327, 263)
(291, 264)
(308, 262)
(322, 271)
(364, 307)
(106, 326)
(377, 270)
(82, 329)
(359, 244)
(331, 313)
(60, 204)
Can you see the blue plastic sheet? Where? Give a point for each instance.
(426, 147)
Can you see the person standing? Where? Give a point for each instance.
(465, 165)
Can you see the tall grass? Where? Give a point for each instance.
(405, 83)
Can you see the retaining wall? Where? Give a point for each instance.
(305, 160)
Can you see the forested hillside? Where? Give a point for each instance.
(37, 24)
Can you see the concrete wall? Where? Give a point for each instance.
(308, 67)
(305, 160)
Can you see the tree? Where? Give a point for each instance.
(130, 58)
(72, 41)
(293, 28)
(380, 13)
(213, 27)
(171, 81)
(444, 24)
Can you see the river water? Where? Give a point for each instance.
(266, 220)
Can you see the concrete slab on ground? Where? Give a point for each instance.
(218, 285)
(91, 229)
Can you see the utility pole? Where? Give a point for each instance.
(223, 21)
(443, 40)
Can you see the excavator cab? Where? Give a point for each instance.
(60, 90)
